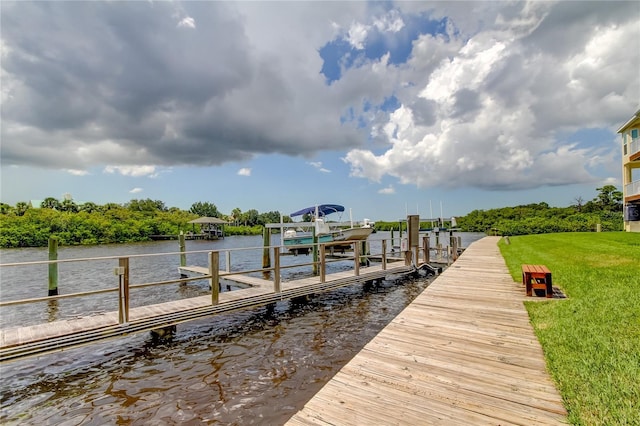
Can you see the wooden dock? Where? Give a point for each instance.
(462, 353)
(55, 336)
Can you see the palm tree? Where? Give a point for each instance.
(88, 207)
(69, 206)
(50, 203)
(21, 208)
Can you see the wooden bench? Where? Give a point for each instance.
(537, 277)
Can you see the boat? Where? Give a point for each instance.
(300, 240)
(354, 233)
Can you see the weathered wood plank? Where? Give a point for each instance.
(463, 352)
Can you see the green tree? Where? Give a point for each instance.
(205, 209)
(236, 214)
(147, 206)
(269, 217)
(21, 208)
(251, 217)
(69, 206)
(5, 208)
(609, 198)
(88, 207)
(50, 203)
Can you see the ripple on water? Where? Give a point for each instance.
(253, 367)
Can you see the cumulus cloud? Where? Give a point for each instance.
(135, 171)
(477, 94)
(244, 172)
(122, 83)
(135, 190)
(491, 112)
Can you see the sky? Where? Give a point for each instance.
(388, 108)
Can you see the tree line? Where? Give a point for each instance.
(604, 210)
(24, 225)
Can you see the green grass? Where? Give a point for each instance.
(591, 340)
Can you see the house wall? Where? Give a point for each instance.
(630, 133)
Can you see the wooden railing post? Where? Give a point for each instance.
(384, 254)
(323, 263)
(356, 255)
(123, 290)
(276, 269)
(214, 272)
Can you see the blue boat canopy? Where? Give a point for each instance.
(323, 210)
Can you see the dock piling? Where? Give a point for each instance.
(276, 269)
(323, 263)
(123, 290)
(384, 254)
(183, 255)
(214, 272)
(425, 245)
(53, 267)
(266, 240)
(183, 249)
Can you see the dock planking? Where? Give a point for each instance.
(59, 335)
(463, 352)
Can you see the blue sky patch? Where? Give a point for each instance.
(339, 54)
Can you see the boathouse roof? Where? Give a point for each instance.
(206, 219)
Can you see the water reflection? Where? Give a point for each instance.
(52, 310)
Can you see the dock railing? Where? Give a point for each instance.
(123, 273)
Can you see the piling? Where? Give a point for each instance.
(183, 249)
(53, 267)
(266, 259)
(123, 290)
(392, 238)
(425, 245)
(214, 272)
(183, 255)
(315, 254)
(454, 247)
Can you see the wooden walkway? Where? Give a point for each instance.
(462, 353)
(38, 339)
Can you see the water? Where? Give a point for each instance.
(258, 366)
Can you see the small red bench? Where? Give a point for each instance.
(537, 277)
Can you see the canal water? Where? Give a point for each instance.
(258, 366)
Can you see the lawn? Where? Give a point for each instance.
(591, 340)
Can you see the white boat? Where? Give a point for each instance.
(353, 233)
(299, 240)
